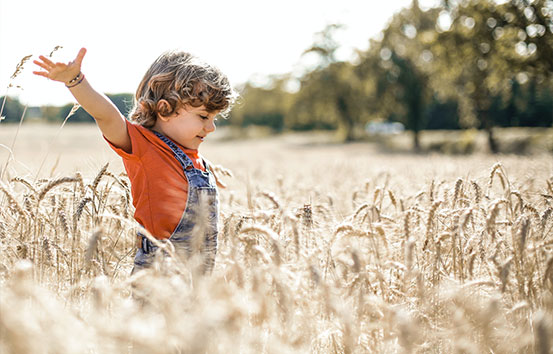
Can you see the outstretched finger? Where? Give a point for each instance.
(46, 60)
(41, 73)
(42, 65)
(80, 56)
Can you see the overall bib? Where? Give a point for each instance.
(197, 228)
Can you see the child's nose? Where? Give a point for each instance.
(209, 126)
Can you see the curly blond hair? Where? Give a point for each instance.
(180, 79)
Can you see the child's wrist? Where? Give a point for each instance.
(75, 81)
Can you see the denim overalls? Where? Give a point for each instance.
(197, 228)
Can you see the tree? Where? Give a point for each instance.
(486, 46)
(330, 94)
(399, 64)
(266, 106)
(533, 21)
(538, 109)
(408, 86)
(470, 66)
(441, 114)
(12, 110)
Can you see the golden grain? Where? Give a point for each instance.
(98, 177)
(56, 48)
(295, 277)
(25, 182)
(457, 190)
(79, 210)
(13, 203)
(63, 222)
(19, 66)
(272, 197)
(53, 183)
(493, 171)
(545, 216)
(477, 192)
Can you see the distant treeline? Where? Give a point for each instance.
(13, 110)
(463, 64)
(527, 106)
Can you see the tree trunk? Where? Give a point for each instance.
(482, 104)
(346, 118)
(416, 141)
(487, 126)
(349, 133)
(492, 143)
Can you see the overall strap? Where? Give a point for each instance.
(179, 154)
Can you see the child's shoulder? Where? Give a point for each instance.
(138, 131)
(142, 140)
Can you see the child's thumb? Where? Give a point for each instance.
(80, 56)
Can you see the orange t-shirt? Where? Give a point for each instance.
(158, 185)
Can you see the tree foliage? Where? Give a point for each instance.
(331, 94)
(465, 64)
(123, 102)
(12, 110)
(398, 62)
(267, 106)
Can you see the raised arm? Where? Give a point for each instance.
(110, 121)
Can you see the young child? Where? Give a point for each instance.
(174, 190)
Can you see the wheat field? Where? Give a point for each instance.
(323, 248)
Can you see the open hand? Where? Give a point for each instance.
(60, 71)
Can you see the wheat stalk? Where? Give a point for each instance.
(13, 203)
(298, 277)
(52, 184)
(101, 173)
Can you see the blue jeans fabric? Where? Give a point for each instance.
(197, 228)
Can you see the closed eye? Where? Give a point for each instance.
(204, 117)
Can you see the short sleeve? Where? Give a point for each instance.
(137, 141)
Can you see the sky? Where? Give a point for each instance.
(246, 39)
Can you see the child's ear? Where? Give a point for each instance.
(164, 110)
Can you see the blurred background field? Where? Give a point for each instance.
(81, 146)
(257, 157)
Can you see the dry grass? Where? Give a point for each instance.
(326, 249)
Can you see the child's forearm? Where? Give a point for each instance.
(96, 104)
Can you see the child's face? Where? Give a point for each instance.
(189, 126)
